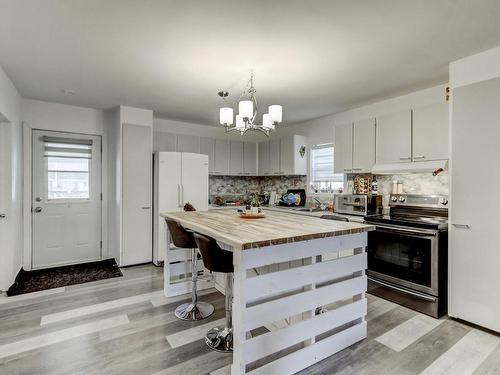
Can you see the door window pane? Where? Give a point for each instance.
(68, 178)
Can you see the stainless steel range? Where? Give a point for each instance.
(408, 253)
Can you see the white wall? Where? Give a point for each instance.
(61, 117)
(476, 68)
(11, 246)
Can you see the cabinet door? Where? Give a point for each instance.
(363, 153)
(207, 147)
(286, 155)
(430, 132)
(250, 158)
(136, 195)
(474, 253)
(394, 137)
(164, 142)
(343, 149)
(194, 182)
(236, 157)
(221, 156)
(188, 143)
(275, 156)
(264, 168)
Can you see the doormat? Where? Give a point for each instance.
(35, 281)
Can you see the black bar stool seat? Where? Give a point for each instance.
(217, 260)
(194, 310)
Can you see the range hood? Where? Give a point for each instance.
(410, 167)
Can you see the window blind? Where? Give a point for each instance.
(322, 164)
(67, 148)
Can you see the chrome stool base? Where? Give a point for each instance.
(220, 339)
(193, 312)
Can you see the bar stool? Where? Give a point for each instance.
(194, 310)
(217, 260)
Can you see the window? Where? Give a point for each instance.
(323, 180)
(68, 168)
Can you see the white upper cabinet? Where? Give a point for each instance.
(164, 142)
(236, 157)
(394, 137)
(292, 161)
(221, 157)
(207, 147)
(274, 156)
(430, 132)
(188, 143)
(250, 158)
(363, 153)
(264, 168)
(342, 149)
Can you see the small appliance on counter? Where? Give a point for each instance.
(356, 204)
(293, 197)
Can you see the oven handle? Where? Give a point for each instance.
(425, 233)
(415, 294)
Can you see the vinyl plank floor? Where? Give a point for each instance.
(408, 332)
(127, 326)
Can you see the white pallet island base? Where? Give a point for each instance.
(177, 271)
(288, 283)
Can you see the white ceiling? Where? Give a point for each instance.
(313, 57)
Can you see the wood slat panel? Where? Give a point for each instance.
(270, 284)
(309, 355)
(265, 313)
(271, 342)
(287, 252)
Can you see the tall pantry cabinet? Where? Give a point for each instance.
(130, 147)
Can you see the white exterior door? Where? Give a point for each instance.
(66, 198)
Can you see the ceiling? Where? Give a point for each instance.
(313, 57)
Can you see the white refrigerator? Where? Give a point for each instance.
(179, 178)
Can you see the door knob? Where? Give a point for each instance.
(3, 216)
(38, 209)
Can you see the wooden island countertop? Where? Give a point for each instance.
(276, 228)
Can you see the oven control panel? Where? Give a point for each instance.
(419, 200)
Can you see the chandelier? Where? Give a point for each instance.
(247, 113)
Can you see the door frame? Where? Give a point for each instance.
(28, 192)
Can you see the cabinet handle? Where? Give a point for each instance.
(145, 208)
(357, 169)
(461, 226)
(347, 170)
(419, 157)
(407, 158)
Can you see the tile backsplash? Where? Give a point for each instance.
(413, 183)
(245, 185)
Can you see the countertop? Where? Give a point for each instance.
(288, 210)
(276, 228)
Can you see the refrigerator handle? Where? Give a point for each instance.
(182, 194)
(178, 195)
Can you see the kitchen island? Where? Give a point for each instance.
(287, 268)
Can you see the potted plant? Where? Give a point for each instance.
(254, 204)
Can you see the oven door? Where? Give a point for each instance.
(404, 256)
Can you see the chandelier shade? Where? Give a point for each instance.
(226, 115)
(275, 113)
(245, 109)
